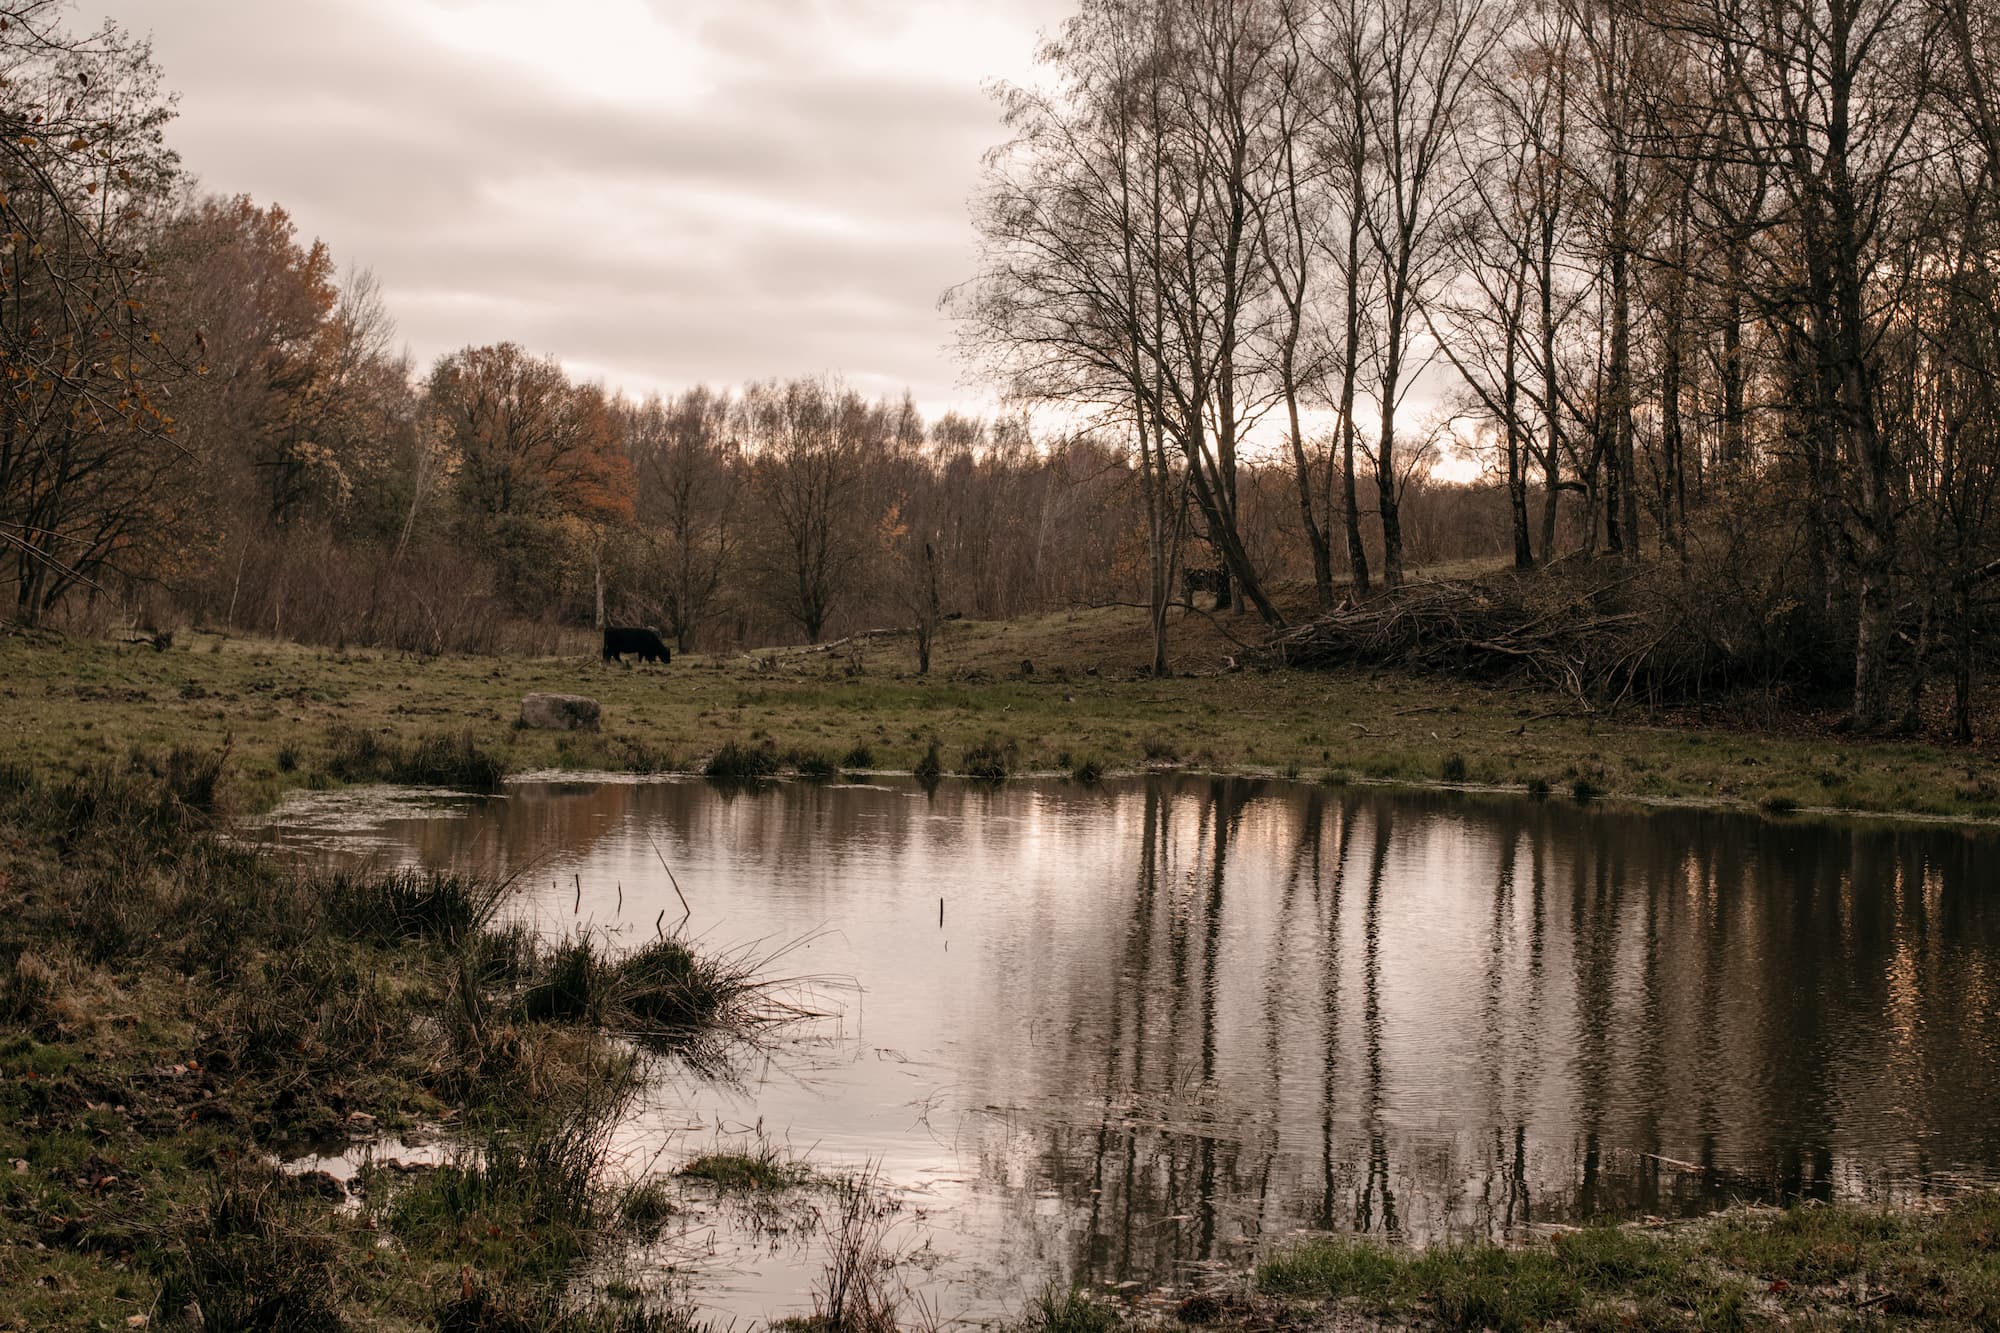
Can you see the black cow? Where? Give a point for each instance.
(644, 642)
(1213, 579)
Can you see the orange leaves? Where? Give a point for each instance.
(529, 442)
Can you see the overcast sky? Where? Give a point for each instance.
(659, 192)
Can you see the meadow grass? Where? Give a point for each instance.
(1813, 1265)
(291, 716)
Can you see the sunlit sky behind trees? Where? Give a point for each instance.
(658, 192)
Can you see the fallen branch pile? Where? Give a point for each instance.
(1600, 634)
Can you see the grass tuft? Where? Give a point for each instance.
(762, 1166)
(739, 763)
(356, 754)
(815, 766)
(432, 906)
(248, 1255)
(991, 760)
(664, 994)
(931, 767)
(1065, 1309)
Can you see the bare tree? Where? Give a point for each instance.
(806, 447)
(1428, 52)
(686, 463)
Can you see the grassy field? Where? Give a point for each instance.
(174, 1012)
(293, 716)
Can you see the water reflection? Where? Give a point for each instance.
(1161, 1023)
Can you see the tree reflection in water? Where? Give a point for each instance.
(1175, 1017)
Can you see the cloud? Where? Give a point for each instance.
(660, 192)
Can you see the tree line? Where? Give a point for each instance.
(207, 417)
(1707, 287)
(1708, 283)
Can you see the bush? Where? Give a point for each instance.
(1734, 615)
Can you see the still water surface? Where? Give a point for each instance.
(1164, 1022)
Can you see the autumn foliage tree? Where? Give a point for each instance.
(88, 463)
(531, 454)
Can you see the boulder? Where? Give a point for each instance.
(559, 712)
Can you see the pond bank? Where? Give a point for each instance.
(1057, 693)
(1934, 1265)
(178, 1017)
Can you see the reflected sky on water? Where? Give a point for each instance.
(1166, 1021)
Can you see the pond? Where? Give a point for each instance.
(1115, 1032)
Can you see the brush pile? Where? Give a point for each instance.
(1604, 634)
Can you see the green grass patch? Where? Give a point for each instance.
(77, 702)
(760, 1168)
(1808, 1266)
